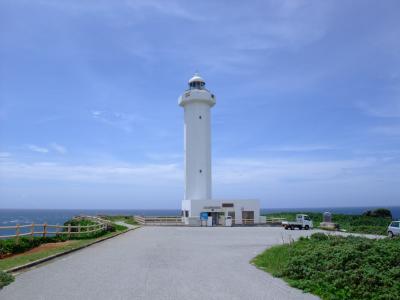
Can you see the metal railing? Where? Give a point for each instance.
(158, 220)
(168, 220)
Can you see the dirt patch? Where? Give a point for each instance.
(42, 247)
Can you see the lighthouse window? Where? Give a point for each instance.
(199, 117)
(200, 170)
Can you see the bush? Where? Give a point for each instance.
(12, 246)
(319, 236)
(337, 267)
(380, 212)
(83, 235)
(5, 279)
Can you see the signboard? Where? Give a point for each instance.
(204, 216)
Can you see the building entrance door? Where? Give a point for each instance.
(247, 217)
(215, 218)
(232, 215)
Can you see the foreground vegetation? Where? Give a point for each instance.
(5, 279)
(14, 246)
(126, 219)
(336, 267)
(372, 224)
(14, 253)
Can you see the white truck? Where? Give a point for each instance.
(302, 222)
(394, 229)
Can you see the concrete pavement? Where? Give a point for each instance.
(163, 263)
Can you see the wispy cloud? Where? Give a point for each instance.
(172, 8)
(146, 174)
(122, 121)
(281, 171)
(393, 130)
(298, 148)
(38, 149)
(4, 156)
(165, 156)
(232, 171)
(58, 148)
(390, 108)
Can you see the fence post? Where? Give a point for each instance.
(44, 229)
(32, 230)
(17, 234)
(69, 231)
(79, 229)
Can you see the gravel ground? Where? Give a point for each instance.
(163, 263)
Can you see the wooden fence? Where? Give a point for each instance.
(47, 229)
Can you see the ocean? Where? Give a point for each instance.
(11, 217)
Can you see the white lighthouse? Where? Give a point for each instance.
(197, 102)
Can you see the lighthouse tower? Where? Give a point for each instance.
(198, 207)
(196, 102)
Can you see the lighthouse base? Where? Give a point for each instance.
(219, 212)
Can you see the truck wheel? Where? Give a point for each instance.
(286, 228)
(306, 227)
(390, 234)
(292, 227)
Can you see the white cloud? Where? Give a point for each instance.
(58, 148)
(234, 171)
(5, 154)
(35, 148)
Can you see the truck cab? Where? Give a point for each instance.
(305, 221)
(302, 222)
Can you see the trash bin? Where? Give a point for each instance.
(228, 221)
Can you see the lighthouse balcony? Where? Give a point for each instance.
(190, 96)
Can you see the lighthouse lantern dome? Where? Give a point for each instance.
(196, 82)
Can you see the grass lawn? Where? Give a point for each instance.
(336, 267)
(350, 223)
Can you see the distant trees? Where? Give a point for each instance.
(380, 212)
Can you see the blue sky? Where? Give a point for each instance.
(307, 114)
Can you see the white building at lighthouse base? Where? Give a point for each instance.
(241, 212)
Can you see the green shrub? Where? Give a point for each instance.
(5, 279)
(83, 229)
(319, 236)
(116, 227)
(337, 267)
(12, 246)
(126, 219)
(380, 212)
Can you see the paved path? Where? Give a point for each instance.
(162, 263)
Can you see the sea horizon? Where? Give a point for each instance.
(12, 216)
